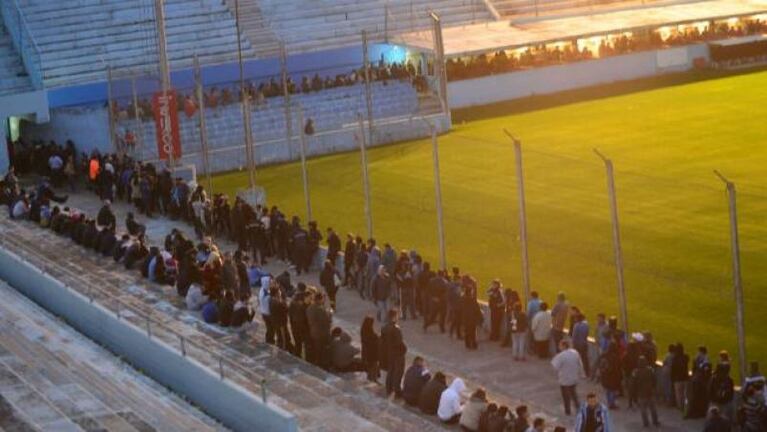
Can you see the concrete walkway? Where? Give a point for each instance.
(512, 383)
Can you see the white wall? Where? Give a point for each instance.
(552, 79)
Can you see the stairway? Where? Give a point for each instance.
(255, 27)
(13, 77)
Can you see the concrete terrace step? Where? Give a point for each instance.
(68, 383)
(13, 79)
(321, 401)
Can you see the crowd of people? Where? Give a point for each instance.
(547, 55)
(260, 93)
(228, 288)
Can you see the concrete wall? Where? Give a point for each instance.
(88, 127)
(229, 403)
(552, 79)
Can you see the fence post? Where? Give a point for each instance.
(221, 367)
(365, 180)
(616, 239)
(304, 171)
(117, 309)
(148, 327)
(183, 345)
(286, 97)
(522, 215)
(203, 129)
(139, 122)
(110, 111)
(736, 279)
(263, 389)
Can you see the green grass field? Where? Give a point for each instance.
(664, 143)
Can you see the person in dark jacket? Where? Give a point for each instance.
(343, 354)
(610, 373)
(105, 217)
(370, 348)
(134, 228)
(716, 422)
(226, 309)
(381, 292)
(698, 399)
(522, 422)
(210, 312)
(299, 325)
(328, 277)
(643, 382)
(496, 303)
(680, 375)
(471, 314)
(416, 378)
(242, 313)
(320, 320)
(278, 310)
(722, 387)
(428, 401)
(334, 245)
(393, 350)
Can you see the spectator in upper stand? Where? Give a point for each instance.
(319, 319)
(643, 382)
(428, 400)
(592, 416)
(496, 303)
(370, 348)
(716, 422)
(569, 370)
(450, 405)
(381, 292)
(680, 375)
(392, 355)
(522, 422)
(106, 217)
(343, 354)
(541, 328)
(559, 319)
(580, 336)
(472, 411)
(416, 378)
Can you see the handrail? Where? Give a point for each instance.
(23, 41)
(149, 321)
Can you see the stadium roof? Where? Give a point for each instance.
(484, 37)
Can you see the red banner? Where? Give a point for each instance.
(165, 107)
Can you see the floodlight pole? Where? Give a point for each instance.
(438, 196)
(245, 106)
(522, 214)
(368, 86)
(201, 117)
(304, 171)
(440, 70)
(365, 179)
(616, 238)
(736, 279)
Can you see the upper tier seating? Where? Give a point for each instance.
(330, 109)
(312, 25)
(256, 28)
(79, 39)
(13, 78)
(517, 8)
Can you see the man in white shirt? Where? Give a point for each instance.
(569, 370)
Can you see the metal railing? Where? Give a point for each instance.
(23, 41)
(154, 327)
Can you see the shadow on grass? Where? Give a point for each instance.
(540, 102)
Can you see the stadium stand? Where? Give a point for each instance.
(339, 23)
(520, 8)
(255, 27)
(69, 383)
(79, 40)
(13, 78)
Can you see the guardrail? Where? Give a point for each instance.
(23, 41)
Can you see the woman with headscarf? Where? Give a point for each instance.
(370, 342)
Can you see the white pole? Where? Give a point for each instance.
(522, 215)
(139, 121)
(438, 197)
(286, 97)
(616, 239)
(162, 51)
(110, 112)
(736, 279)
(304, 170)
(203, 129)
(368, 87)
(365, 180)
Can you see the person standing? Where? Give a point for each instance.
(320, 319)
(610, 373)
(569, 369)
(496, 304)
(471, 314)
(592, 416)
(370, 349)
(393, 349)
(722, 388)
(329, 279)
(559, 319)
(580, 337)
(541, 327)
(680, 374)
(381, 291)
(334, 245)
(299, 325)
(518, 327)
(643, 381)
